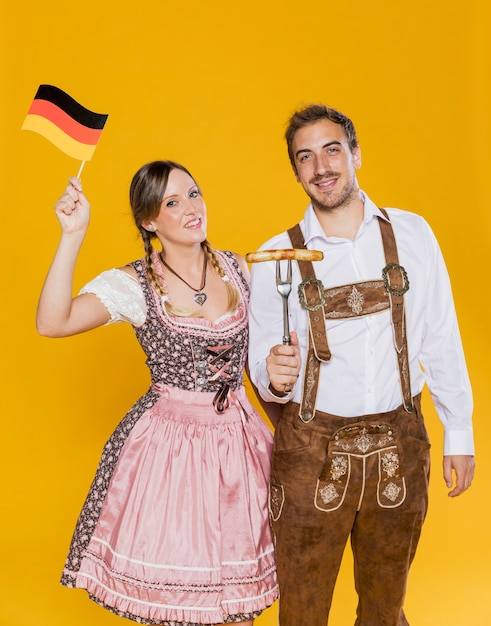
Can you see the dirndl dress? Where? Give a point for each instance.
(175, 527)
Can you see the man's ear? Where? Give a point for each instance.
(357, 157)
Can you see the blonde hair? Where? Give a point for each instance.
(146, 192)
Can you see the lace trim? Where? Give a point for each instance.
(121, 294)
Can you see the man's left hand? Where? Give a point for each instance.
(463, 467)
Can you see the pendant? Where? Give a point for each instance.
(200, 298)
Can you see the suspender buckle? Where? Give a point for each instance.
(303, 298)
(405, 280)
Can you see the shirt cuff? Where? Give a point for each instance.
(458, 442)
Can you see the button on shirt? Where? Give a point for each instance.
(362, 376)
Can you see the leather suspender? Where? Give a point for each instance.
(313, 299)
(397, 283)
(317, 346)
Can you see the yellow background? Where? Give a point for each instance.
(211, 84)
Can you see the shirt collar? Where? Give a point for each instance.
(314, 231)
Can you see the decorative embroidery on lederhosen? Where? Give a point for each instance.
(358, 442)
(276, 501)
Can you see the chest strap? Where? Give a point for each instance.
(351, 301)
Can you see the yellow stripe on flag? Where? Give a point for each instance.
(72, 147)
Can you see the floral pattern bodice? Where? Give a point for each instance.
(194, 353)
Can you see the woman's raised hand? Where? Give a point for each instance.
(73, 208)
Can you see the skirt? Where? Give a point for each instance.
(175, 527)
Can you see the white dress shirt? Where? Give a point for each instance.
(362, 376)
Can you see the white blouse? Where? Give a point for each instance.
(121, 294)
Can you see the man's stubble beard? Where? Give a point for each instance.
(347, 196)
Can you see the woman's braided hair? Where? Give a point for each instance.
(146, 192)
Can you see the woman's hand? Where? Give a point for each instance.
(73, 208)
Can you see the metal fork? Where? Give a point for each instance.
(284, 288)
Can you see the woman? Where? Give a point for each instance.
(175, 527)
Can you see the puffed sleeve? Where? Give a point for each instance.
(121, 294)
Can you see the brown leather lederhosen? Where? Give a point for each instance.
(347, 301)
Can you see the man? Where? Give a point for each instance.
(371, 324)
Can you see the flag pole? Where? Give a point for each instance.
(80, 170)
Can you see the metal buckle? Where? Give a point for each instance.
(405, 280)
(303, 298)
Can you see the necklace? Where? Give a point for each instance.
(199, 297)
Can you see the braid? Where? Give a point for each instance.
(212, 257)
(232, 292)
(151, 273)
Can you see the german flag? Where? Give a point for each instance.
(67, 124)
